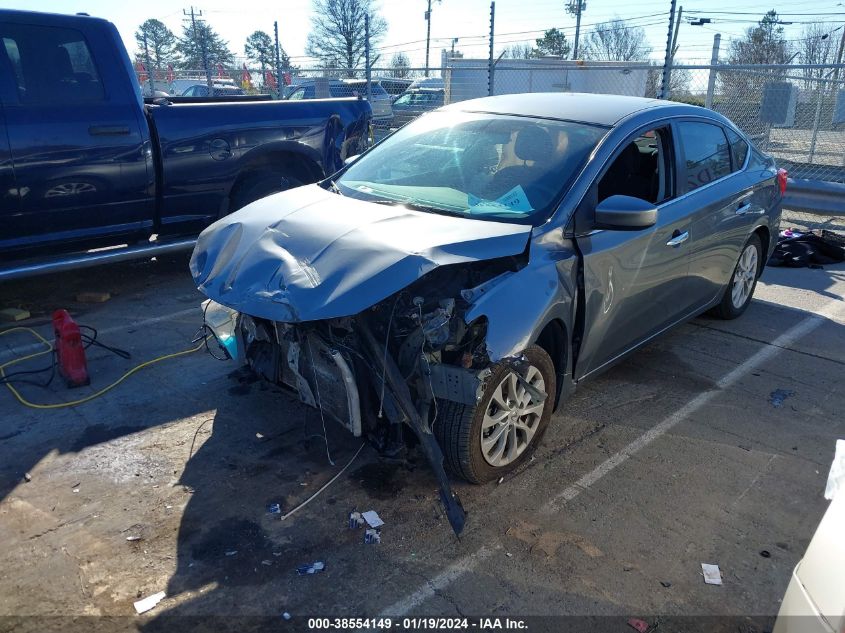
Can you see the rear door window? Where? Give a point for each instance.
(739, 149)
(51, 64)
(707, 154)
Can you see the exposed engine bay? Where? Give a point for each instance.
(381, 372)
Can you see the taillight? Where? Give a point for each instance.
(783, 176)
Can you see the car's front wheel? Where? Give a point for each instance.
(484, 442)
(740, 288)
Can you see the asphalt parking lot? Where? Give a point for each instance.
(677, 457)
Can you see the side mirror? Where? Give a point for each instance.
(351, 159)
(625, 213)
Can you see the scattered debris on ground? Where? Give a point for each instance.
(637, 624)
(355, 520)
(144, 605)
(311, 568)
(372, 536)
(372, 518)
(13, 315)
(778, 396)
(810, 249)
(712, 575)
(92, 296)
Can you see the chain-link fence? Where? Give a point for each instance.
(795, 113)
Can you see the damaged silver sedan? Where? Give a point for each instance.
(452, 285)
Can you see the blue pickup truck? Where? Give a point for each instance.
(85, 163)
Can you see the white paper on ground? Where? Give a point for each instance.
(836, 477)
(372, 518)
(712, 575)
(149, 602)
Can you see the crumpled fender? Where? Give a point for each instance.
(521, 304)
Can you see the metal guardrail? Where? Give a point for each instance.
(816, 197)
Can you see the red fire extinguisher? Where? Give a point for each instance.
(70, 353)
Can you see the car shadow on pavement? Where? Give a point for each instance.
(265, 448)
(817, 280)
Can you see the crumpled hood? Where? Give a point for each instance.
(308, 254)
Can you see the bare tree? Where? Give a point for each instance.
(337, 31)
(616, 41)
(679, 83)
(522, 50)
(400, 66)
(816, 46)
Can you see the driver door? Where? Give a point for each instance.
(635, 280)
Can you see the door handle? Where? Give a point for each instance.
(743, 208)
(678, 239)
(108, 130)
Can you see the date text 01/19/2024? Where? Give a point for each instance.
(418, 624)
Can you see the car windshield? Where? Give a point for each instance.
(477, 165)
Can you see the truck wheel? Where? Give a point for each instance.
(484, 442)
(741, 287)
(260, 185)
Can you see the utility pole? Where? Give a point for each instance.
(454, 41)
(667, 61)
(149, 68)
(576, 7)
(427, 35)
(675, 36)
(369, 71)
(278, 61)
(711, 81)
(194, 15)
(490, 62)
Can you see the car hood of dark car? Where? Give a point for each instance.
(308, 254)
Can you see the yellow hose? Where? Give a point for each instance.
(49, 349)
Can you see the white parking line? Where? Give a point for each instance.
(440, 581)
(22, 350)
(831, 310)
(774, 348)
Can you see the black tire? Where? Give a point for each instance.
(261, 184)
(458, 426)
(726, 309)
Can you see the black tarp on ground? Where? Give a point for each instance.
(811, 249)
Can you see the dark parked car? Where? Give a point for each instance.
(220, 90)
(322, 88)
(86, 163)
(415, 102)
(464, 275)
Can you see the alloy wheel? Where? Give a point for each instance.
(511, 419)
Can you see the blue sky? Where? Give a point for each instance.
(516, 21)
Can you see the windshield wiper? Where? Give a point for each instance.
(419, 207)
(332, 186)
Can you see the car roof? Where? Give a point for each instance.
(568, 106)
